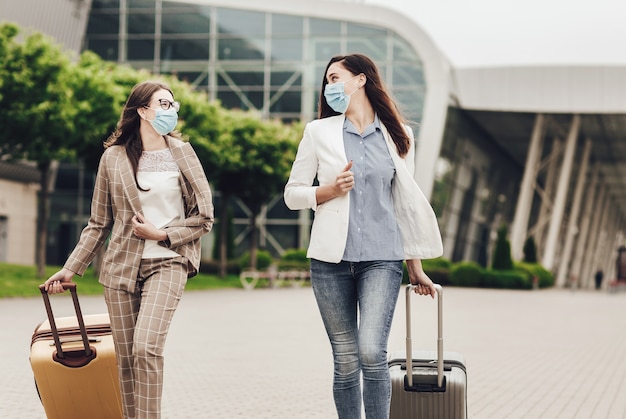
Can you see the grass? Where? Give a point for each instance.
(22, 281)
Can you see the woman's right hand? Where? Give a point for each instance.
(53, 284)
(344, 181)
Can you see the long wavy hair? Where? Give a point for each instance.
(384, 106)
(127, 132)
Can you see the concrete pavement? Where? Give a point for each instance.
(264, 353)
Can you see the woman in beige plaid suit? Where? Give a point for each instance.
(153, 202)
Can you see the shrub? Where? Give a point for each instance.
(513, 279)
(546, 279)
(295, 254)
(439, 276)
(466, 274)
(438, 270)
(502, 252)
(437, 263)
(263, 260)
(294, 259)
(213, 267)
(530, 250)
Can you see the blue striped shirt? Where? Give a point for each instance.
(373, 232)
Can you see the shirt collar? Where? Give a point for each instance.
(350, 128)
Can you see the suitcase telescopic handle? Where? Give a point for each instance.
(409, 343)
(79, 316)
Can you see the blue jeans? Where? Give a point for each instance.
(357, 301)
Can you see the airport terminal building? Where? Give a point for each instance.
(538, 149)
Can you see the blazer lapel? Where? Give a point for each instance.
(128, 183)
(336, 127)
(183, 165)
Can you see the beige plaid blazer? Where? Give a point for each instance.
(116, 200)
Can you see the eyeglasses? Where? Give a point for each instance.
(166, 104)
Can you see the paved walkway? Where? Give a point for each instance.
(264, 353)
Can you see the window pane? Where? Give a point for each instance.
(198, 79)
(354, 29)
(279, 78)
(140, 49)
(140, 23)
(325, 27)
(239, 49)
(185, 49)
(240, 22)
(105, 4)
(408, 75)
(375, 48)
(287, 25)
(241, 78)
(107, 48)
(103, 23)
(287, 49)
(288, 102)
(143, 4)
(402, 51)
(231, 100)
(193, 22)
(411, 102)
(323, 50)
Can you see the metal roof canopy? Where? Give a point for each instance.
(511, 131)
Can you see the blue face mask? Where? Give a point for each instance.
(336, 96)
(164, 122)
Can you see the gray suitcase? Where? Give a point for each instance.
(437, 386)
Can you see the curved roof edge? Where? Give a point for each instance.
(555, 89)
(436, 65)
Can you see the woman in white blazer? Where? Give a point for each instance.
(370, 215)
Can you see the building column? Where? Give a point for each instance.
(561, 195)
(552, 165)
(608, 258)
(594, 233)
(591, 196)
(525, 197)
(600, 248)
(572, 228)
(454, 209)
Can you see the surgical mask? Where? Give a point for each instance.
(336, 96)
(164, 121)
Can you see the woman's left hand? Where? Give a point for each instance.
(417, 276)
(144, 229)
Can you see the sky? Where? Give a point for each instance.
(474, 33)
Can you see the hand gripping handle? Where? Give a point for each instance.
(409, 344)
(79, 316)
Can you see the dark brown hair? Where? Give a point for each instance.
(383, 104)
(127, 132)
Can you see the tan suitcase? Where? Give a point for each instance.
(73, 360)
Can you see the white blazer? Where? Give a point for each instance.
(321, 153)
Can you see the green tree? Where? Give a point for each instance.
(502, 252)
(205, 127)
(267, 149)
(250, 159)
(530, 250)
(56, 108)
(99, 90)
(38, 112)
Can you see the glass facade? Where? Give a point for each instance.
(473, 189)
(268, 62)
(271, 63)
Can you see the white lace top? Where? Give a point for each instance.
(162, 202)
